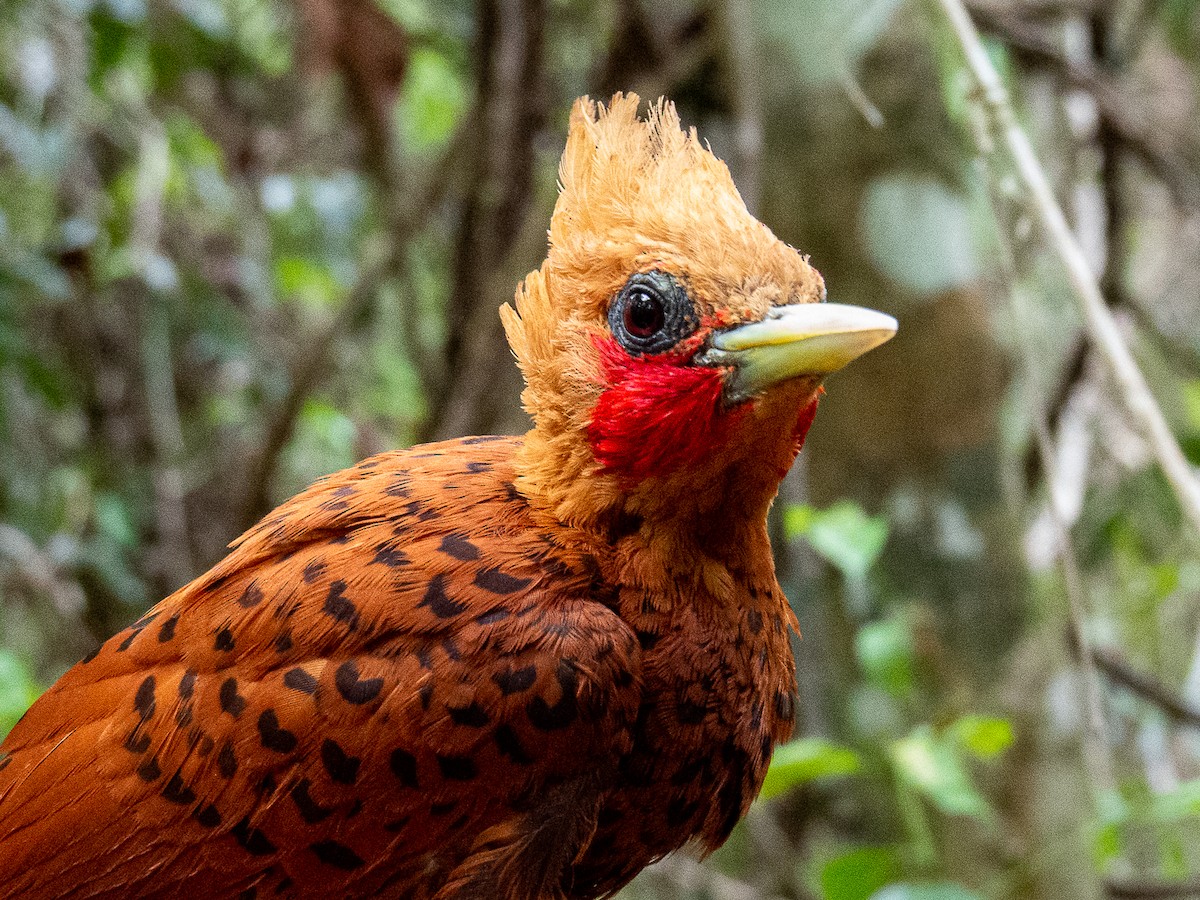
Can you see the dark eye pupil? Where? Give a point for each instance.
(643, 314)
(651, 313)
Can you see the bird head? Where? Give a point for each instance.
(673, 348)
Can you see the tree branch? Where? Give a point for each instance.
(1101, 326)
(38, 571)
(509, 114)
(1144, 685)
(310, 362)
(1116, 111)
(740, 57)
(174, 555)
(1112, 151)
(1139, 889)
(685, 876)
(1096, 754)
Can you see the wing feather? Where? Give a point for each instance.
(389, 672)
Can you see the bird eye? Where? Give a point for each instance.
(643, 313)
(651, 313)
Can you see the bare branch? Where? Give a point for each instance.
(509, 114)
(1117, 113)
(1146, 686)
(39, 571)
(175, 563)
(688, 877)
(305, 374)
(1102, 327)
(1140, 889)
(1096, 753)
(651, 55)
(745, 97)
(306, 369)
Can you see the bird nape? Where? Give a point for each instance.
(495, 667)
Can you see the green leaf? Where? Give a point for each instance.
(797, 519)
(191, 145)
(108, 562)
(1177, 18)
(1191, 401)
(1113, 813)
(860, 873)
(324, 442)
(1181, 803)
(826, 40)
(40, 273)
(983, 736)
(918, 233)
(1106, 844)
(113, 520)
(843, 535)
(432, 101)
(931, 765)
(806, 759)
(17, 690)
(306, 280)
(260, 35)
(937, 890)
(886, 654)
(958, 85)
(414, 16)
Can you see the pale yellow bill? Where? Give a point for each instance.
(800, 339)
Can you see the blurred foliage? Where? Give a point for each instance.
(17, 689)
(922, 768)
(244, 243)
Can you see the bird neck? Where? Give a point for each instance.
(715, 508)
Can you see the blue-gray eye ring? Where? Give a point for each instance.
(651, 313)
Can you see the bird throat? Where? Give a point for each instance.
(658, 415)
(661, 447)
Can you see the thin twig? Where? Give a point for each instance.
(741, 56)
(1144, 685)
(1102, 56)
(1117, 112)
(1097, 757)
(1141, 889)
(311, 362)
(860, 100)
(509, 113)
(157, 368)
(38, 571)
(1102, 327)
(689, 878)
(651, 55)
(305, 374)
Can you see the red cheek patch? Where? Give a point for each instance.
(805, 419)
(658, 414)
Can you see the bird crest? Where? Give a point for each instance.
(637, 194)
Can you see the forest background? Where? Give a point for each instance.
(244, 243)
